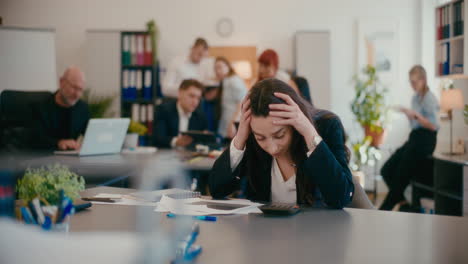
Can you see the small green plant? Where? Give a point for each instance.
(47, 182)
(364, 154)
(98, 105)
(136, 127)
(369, 105)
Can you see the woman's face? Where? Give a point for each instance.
(417, 82)
(221, 69)
(273, 139)
(266, 71)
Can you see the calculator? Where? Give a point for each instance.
(280, 209)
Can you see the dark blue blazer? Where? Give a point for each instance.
(166, 123)
(326, 169)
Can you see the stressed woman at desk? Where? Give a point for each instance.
(285, 151)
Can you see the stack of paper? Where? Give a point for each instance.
(198, 206)
(121, 199)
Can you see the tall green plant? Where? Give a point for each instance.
(98, 105)
(369, 104)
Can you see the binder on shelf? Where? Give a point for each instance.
(150, 112)
(455, 19)
(439, 23)
(139, 84)
(448, 21)
(147, 87)
(458, 18)
(132, 91)
(135, 116)
(446, 59)
(143, 115)
(445, 22)
(125, 84)
(143, 119)
(148, 56)
(133, 49)
(126, 56)
(462, 18)
(140, 50)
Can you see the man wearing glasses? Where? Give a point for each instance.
(62, 118)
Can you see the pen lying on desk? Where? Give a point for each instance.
(198, 217)
(96, 199)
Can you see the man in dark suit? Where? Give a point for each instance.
(62, 118)
(178, 116)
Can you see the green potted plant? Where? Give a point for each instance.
(369, 105)
(46, 182)
(135, 129)
(98, 105)
(363, 154)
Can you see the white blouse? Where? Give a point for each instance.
(281, 191)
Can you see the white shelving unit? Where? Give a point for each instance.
(458, 45)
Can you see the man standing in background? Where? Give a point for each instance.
(62, 118)
(188, 67)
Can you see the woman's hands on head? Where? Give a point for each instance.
(292, 115)
(244, 124)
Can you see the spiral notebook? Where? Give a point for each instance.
(175, 193)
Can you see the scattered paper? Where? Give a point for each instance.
(123, 200)
(140, 150)
(197, 206)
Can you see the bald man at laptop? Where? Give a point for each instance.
(62, 119)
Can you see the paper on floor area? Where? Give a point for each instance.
(122, 200)
(197, 206)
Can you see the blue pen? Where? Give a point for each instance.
(198, 217)
(206, 218)
(68, 209)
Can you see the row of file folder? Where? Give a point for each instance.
(137, 84)
(443, 22)
(459, 18)
(137, 50)
(444, 64)
(143, 113)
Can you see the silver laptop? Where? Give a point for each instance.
(103, 136)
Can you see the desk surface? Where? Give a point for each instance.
(312, 236)
(459, 159)
(109, 166)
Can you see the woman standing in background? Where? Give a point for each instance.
(400, 167)
(233, 90)
(268, 63)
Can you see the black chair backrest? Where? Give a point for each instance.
(303, 86)
(16, 116)
(16, 106)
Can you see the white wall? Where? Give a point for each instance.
(265, 23)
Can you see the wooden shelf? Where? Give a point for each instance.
(453, 76)
(138, 101)
(138, 67)
(423, 186)
(442, 41)
(450, 194)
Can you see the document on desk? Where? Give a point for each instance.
(121, 199)
(198, 206)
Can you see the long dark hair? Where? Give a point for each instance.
(261, 96)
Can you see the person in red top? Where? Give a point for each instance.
(269, 68)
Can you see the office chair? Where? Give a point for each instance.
(360, 199)
(16, 116)
(303, 86)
